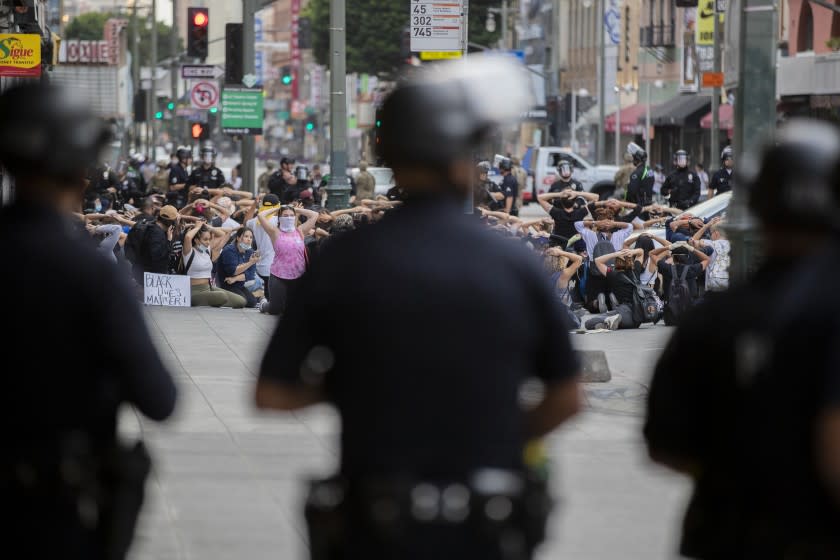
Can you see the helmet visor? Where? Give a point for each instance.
(682, 160)
(565, 169)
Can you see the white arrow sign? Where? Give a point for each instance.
(249, 80)
(201, 71)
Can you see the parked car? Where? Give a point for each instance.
(711, 208)
(542, 164)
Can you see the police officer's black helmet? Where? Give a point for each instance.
(483, 167)
(183, 153)
(444, 112)
(47, 131)
(678, 155)
(726, 153)
(796, 182)
(505, 164)
(639, 155)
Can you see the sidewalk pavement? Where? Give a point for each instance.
(228, 481)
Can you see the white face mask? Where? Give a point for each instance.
(287, 223)
(201, 248)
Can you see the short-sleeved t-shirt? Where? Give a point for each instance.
(436, 395)
(564, 222)
(620, 287)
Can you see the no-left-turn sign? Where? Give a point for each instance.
(204, 95)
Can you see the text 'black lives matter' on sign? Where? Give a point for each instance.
(168, 290)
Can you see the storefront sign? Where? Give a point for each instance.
(20, 55)
(85, 52)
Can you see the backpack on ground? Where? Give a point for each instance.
(645, 303)
(679, 297)
(601, 248)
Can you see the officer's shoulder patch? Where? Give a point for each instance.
(213, 173)
(634, 176)
(174, 180)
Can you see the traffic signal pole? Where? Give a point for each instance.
(153, 96)
(338, 191)
(248, 151)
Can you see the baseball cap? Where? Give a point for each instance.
(305, 195)
(270, 201)
(169, 212)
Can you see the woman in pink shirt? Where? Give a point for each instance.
(289, 252)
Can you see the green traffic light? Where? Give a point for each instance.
(310, 127)
(378, 123)
(287, 79)
(159, 115)
(214, 109)
(170, 106)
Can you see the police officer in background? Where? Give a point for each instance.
(721, 179)
(640, 188)
(74, 489)
(509, 186)
(283, 180)
(745, 396)
(179, 178)
(206, 175)
(427, 451)
(683, 184)
(565, 180)
(487, 193)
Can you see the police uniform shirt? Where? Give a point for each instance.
(510, 187)
(58, 384)
(560, 185)
(741, 407)
(178, 175)
(640, 188)
(437, 394)
(684, 187)
(720, 181)
(206, 178)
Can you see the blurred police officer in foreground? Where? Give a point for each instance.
(432, 430)
(70, 489)
(748, 389)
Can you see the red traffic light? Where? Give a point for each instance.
(200, 19)
(197, 130)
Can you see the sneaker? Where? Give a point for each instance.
(612, 322)
(602, 304)
(613, 301)
(263, 306)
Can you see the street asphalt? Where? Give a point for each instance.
(228, 480)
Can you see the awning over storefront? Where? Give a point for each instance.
(678, 111)
(725, 118)
(630, 117)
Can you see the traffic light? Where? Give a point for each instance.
(686, 3)
(159, 115)
(199, 131)
(140, 106)
(170, 106)
(310, 124)
(304, 33)
(198, 20)
(233, 53)
(287, 76)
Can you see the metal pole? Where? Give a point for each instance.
(135, 71)
(618, 131)
(574, 121)
(505, 25)
(338, 190)
(154, 61)
(469, 201)
(150, 114)
(755, 116)
(248, 151)
(173, 68)
(602, 54)
(647, 122)
(716, 96)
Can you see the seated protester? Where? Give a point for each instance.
(107, 236)
(149, 244)
(622, 279)
(581, 277)
(236, 268)
(325, 220)
(226, 208)
(563, 266)
(650, 270)
(572, 208)
(680, 266)
(201, 249)
(717, 272)
(682, 228)
(603, 236)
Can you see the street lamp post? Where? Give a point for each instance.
(338, 191)
(602, 72)
(575, 94)
(658, 84)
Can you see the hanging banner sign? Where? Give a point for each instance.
(20, 55)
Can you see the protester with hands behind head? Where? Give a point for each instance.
(202, 246)
(290, 258)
